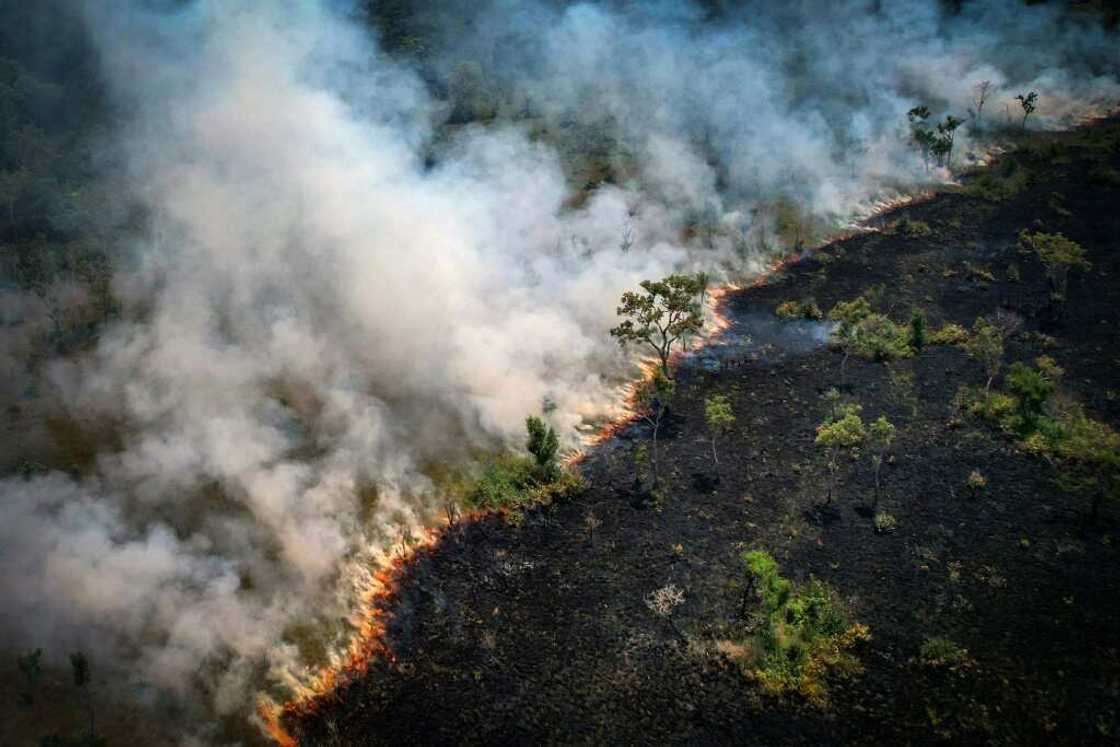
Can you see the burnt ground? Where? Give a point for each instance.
(536, 631)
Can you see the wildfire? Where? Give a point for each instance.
(371, 616)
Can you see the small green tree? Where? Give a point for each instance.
(881, 433)
(543, 444)
(720, 418)
(842, 435)
(1033, 389)
(1059, 255)
(848, 315)
(917, 330)
(1028, 104)
(666, 314)
(652, 404)
(986, 345)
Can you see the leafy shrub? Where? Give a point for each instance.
(510, 481)
(949, 334)
(1003, 182)
(938, 652)
(911, 229)
(917, 330)
(983, 273)
(805, 634)
(880, 339)
(976, 481)
(884, 523)
(1058, 255)
(804, 309)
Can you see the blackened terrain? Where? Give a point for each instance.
(537, 631)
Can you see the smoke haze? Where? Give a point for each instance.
(343, 281)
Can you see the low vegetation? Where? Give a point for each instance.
(802, 637)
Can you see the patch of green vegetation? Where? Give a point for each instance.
(869, 334)
(804, 309)
(804, 637)
(983, 273)
(949, 334)
(940, 652)
(1058, 255)
(911, 229)
(1001, 183)
(885, 523)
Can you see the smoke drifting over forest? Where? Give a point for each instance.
(358, 264)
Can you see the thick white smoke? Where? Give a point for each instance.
(335, 293)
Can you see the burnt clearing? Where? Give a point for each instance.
(536, 630)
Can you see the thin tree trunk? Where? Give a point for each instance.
(714, 457)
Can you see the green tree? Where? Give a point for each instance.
(720, 418)
(842, 435)
(943, 142)
(881, 434)
(917, 330)
(665, 315)
(923, 137)
(1028, 104)
(1058, 255)
(1033, 389)
(848, 315)
(986, 345)
(542, 444)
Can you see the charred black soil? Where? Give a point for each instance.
(537, 631)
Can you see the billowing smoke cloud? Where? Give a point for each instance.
(337, 291)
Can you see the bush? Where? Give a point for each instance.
(805, 309)
(884, 523)
(940, 652)
(880, 339)
(976, 481)
(911, 229)
(949, 334)
(509, 481)
(1001, 183)
(805, 634)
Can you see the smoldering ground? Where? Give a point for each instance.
(356, 265)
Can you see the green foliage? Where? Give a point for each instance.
(1033, 389)
(1058, 255)
(884, 523)
(804, 309)
(917, 330)
(949, 334)
(986, 346)
(665, 315)
(719, 418)
(910, 228)
(805, 635)
(938, 652)
(1002, 182)
(509, 481)
(869, 334)
(542, 444)
(976, 481)
(847, 432)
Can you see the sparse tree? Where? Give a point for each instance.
(663, 602)
(946, 135)
(924, 138)
(881, 433)
(848, 315)
(666, 314)
(1059, 255)
(652, 404)
(1028, 103)
(591, 522)
(985, 344)
(979, 96)
(845, 434)
(720, 418)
